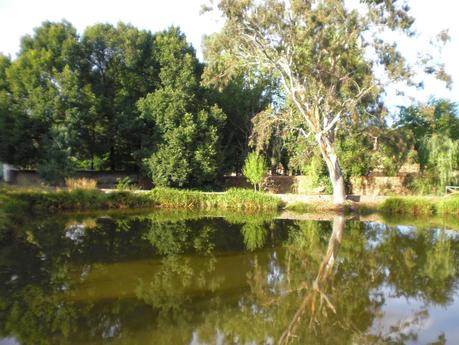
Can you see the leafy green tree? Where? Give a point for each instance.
(186, 148)
(35, 92)
(443, 158)
(318, 52)
(56, 164)
(255, 169)
(241, 99)
(7, 123)
(434, 129)
(120, 66)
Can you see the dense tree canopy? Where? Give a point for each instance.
(109, 100)
(302, 93)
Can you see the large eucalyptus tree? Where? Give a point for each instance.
(332, 59)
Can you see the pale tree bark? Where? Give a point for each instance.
(328, 151)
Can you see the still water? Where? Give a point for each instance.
(180, 278)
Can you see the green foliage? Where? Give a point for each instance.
(254, 234)
(434, 128)
(186, 128)
(42, 202)
(424, 184)
(35, 91)
(115, 98)
(121, 67)
(302, 207)
(232, 199)
(408, 205)
(317, 171)
(312, 63)
(449, 205)
(442, 158)
(241, 99)
(56, 164)
(421, 206)
(16, 203)
(123, 184)
(355, 155)
(255, 169)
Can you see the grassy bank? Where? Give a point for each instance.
(233, 199)
(415, 206)
(410, 206)
(39, 202)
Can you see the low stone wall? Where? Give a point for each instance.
(276, 184)
(364, 185)
(105, 179)
(379, 185)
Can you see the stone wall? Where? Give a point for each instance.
(276, 184)
(105, 179)
(379, 185)
(365, 185)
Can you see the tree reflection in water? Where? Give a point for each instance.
(178, 278)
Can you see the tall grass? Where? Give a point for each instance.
(78, 200)
(42, 202)
(80, 183)
(421, 206)
(449, 205)
(302, 207)
(408, 205)
(233, 199)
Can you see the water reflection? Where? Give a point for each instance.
(180, 278)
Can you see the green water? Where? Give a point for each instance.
(177, 278)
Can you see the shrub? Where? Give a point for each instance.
(449, 205)
(123, 184)
(442, 158)
(302, 207)
(56, 164)
(80, 183)
(255, 169)
(408, 205)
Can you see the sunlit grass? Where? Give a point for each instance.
(421, 205)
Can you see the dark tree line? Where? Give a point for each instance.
(120, 98)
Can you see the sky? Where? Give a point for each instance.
(20, 17)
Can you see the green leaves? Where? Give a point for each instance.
(255, 169)
(186, 137)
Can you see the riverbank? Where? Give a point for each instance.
(38, 202)
(15, 202)
(404, 205)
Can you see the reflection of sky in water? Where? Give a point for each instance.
(76, 233)
(428, 322)
(427, 326)
(380, 230)
(9, 341)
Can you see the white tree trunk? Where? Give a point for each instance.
(327, 149)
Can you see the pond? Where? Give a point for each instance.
(185, 278)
